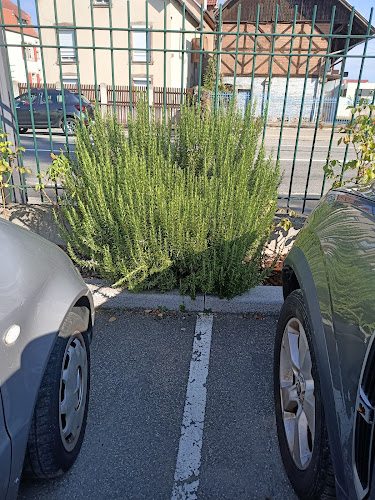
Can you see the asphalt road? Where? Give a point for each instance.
(140, 369)
(300, 169)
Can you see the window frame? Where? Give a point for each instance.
(150, 53)
(67, 60)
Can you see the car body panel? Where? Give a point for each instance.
(38, 288)
(5, 452)
(338, 245)
(324, 346)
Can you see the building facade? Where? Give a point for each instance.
(263, 43)
(98, 40)
(18, 55)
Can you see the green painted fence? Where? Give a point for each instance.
(295, 189)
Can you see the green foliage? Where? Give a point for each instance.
(360, 132)
(150, 210)
(209, 76)
(8, 157)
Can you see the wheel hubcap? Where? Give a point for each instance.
(73, 390)
(297, 393)
(70, 125)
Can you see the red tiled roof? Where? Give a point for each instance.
(11, 16)
(211, 2)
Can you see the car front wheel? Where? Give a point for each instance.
(302, 434)
(60, 414)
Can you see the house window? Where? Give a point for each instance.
(70, 80)
(67, 42)
(29, 50)
(141, 82)
(141, 40)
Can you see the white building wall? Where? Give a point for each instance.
(278, 85)
(17, 64)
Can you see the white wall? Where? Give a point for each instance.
(17, 64)
(278, 86)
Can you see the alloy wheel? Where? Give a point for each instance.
(297, 393)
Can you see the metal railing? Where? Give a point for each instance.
(278, 108)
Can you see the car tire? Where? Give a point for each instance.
(60, 414)
(70, 125)
(299, 406)
(23, 130)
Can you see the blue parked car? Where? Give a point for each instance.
(55, 101)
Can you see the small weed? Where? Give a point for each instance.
(182, 307)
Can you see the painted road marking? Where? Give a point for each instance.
(186, 476)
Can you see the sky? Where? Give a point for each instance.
(352, 65)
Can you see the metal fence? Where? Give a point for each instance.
(186, 43)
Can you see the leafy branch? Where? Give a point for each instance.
(360, 132)
(8, 165)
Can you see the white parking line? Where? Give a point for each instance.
(186, 476)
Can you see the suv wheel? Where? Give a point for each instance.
(70, 125)
(299, 411)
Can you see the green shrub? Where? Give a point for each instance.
(191, 209)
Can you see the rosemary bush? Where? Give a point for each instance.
(191, 209)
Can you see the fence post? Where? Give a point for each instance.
(7, 121)
(103, 98)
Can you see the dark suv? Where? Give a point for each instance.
(325, 351)
(56, 111)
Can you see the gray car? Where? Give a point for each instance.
(74, 109)
(46, 320)
(324, 369)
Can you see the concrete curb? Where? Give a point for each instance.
(261, 299)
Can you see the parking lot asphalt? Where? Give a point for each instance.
(140, 366)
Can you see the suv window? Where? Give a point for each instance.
(24, 99)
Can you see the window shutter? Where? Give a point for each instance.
(66, 39)
(139, 42)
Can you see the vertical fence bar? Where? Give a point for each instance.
(254, 56)
(112, 61)
(78, 71)
(183, 54)
(147, 59)
(200, 56)
(236, 56)
(165, 60)
(129, 61)
(29, 91)
(13, 104)
(61, 74)
(93, 51)
(347, 45)
(218, 59)
(368, 33)
(45, 85)
(302, 104)
(274, 36)
(287, 81)
(321, 99)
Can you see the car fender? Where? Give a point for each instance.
(36, 295)
(317, 299)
